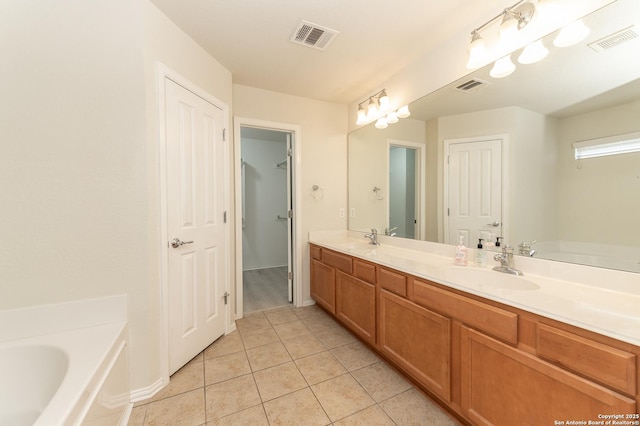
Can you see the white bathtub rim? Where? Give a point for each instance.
(88, 350)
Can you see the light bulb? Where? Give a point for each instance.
(385, 104)
(403, 112)
(372, 110)
(392, 117)
(502, 68)
(381, 123)
(533, 52)
(508, 31)
(478, 53)
(571, 34)
(362, 116)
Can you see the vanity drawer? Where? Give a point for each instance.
(340, 261)
(495, 321)
(316, 252)
(364, 270)
(604, 364)
(394, 282)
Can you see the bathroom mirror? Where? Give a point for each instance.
(580, 211)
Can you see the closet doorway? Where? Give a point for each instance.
(267, 213)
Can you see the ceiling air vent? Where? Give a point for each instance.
(472, 85)
(313, 35)
(614, 40)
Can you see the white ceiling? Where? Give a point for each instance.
(377, 39)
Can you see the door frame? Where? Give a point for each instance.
(504, 146)
(297, 246)
(166, 73)
(421, 190)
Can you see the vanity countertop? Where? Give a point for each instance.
(611, 308)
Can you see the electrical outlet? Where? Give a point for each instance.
(341, 211)
(352, 212)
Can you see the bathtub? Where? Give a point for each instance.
(592, 254)
(67, 377)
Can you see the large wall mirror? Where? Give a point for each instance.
(503, 152)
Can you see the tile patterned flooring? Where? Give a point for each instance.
(291, 366)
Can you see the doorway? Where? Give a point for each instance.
(266, 253)
(406, 189)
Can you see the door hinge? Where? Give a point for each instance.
(448, 212)
(224, 217)
(448, 159)
(290, 214)
(289, 152)
(290, 275)
(224, 135)
(226, 297)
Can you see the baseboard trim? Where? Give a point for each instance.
(138, 395)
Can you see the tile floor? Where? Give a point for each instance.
(291, 366)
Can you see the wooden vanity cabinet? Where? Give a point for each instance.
(417, 340)
(503, 385)
(490, 363)
(323, 285)
(356, 306)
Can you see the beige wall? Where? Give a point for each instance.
(165, 43)
(368, 167)
(323, 145)
(74, 189)
(598, 197)
(79, 185)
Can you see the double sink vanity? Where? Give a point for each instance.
(492, 348)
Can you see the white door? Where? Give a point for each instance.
(473, 204)
(198, 252)
(289, 218)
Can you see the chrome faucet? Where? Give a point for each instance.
(390, 231)
(525, 248)
(506, 261)
(373, 237)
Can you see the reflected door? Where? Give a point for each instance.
(402, 191)
(473, 197)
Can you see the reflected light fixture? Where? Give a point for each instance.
(379, 109)
(382, 123)
(403, 111)
(503, 67)
(514, 19)
(533, 52)
(571, 34)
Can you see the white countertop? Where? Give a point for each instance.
(603, 301)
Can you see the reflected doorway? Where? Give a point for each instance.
(406, 198)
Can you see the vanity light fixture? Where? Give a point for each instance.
(378, 109)
(514, 19)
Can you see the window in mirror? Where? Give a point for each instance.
(611, 145)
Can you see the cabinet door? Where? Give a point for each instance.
(418, 341)
(502, 385)
(323, 285)
(356, 305)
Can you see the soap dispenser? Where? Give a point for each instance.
(480, 255)
(461, 253)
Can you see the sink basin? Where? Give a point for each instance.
(485, 279)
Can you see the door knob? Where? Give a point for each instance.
(175, 243)
(496, 224)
